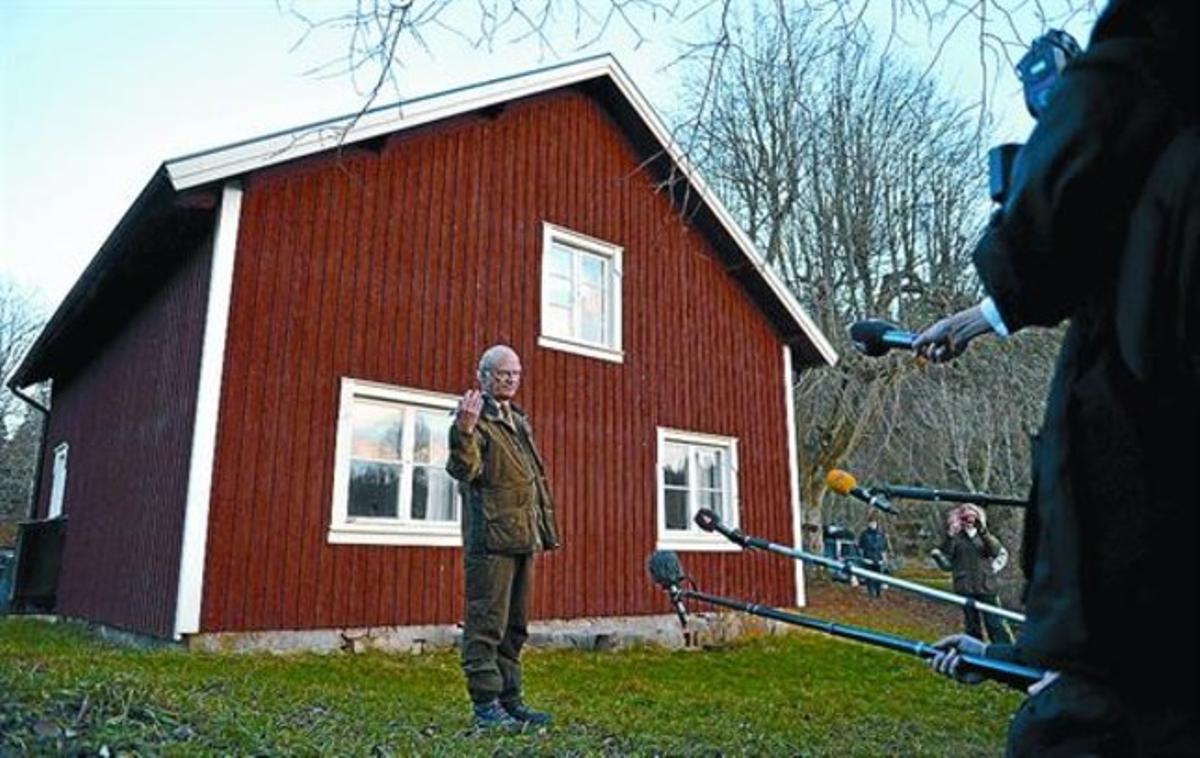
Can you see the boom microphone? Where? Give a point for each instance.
(709, 521)
(947, 496)
(666, 572)
(874, 337)
(844, 483)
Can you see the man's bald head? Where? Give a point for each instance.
(493, 354)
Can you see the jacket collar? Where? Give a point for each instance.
(491, 408)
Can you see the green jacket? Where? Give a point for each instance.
(970, 561)
(507, 504)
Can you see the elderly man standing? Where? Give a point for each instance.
(507, 518)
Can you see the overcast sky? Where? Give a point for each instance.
(94, 96)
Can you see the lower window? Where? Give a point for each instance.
(695, 471)
(390, 480)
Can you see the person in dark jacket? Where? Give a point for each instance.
(873, 545)
(974, 556)
(508, 517)
(1101, 227)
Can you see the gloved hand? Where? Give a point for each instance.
(948, 662)
(1000, 561)
(940, 559)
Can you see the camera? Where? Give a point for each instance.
(1039, 71)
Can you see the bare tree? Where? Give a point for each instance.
(864, 188)
(21, 319)
(383, 38)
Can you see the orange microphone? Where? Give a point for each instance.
(844, 483)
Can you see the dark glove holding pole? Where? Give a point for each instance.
(953, 648)
(949, 337)
(949, 662)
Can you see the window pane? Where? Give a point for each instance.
(591, 271)
(558, 322)
(431, 437)
(709, 463)
(675, 465)
(433, 495)
(558, 291)
(420, 493)
(591, 314)
(676, 506)
(558, 263)
(377, 431)
(714, 501)
(374, 488)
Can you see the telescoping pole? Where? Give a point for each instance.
(1012, 674)
(709, 521)
(947, 496)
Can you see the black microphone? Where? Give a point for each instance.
(844, 483)
(708, 520)
(667, 573)
(874, 337)
(948, 496)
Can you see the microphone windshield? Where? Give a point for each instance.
(664, 568)
(867, 336)
(706, 519)
(840, 481)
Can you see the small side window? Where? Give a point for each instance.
(58, 482)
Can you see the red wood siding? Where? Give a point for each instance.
(127, 417)
(401, 265)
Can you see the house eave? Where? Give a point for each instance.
(119, 277)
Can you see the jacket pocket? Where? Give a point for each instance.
(507, 533)
(507, 527)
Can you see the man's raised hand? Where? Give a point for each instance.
(469, 408)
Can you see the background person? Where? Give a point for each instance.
(974, 557)
(873, 544)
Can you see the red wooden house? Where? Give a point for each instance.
(252, 379)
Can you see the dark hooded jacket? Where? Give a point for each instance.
(1102, 226)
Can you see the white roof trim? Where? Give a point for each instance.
(222, 163)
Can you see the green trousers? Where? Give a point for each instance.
(497, 598)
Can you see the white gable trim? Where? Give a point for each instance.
(789, 408)
(208, 398)
(222, 163)
(212, 165)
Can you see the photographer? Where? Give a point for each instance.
(1100, 227)
(974, 557)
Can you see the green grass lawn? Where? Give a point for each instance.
(62, 690)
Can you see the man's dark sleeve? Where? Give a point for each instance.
(1074, 184)
(465, 461)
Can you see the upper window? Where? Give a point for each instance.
(581, 294)
(390, 480)
(695, 471)
(58, 481)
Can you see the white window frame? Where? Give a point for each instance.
(695, 539)
(581, 243)
(345, 529)
(58, 481)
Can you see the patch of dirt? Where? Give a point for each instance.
(897, 609)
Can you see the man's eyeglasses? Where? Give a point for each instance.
(505, 374)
